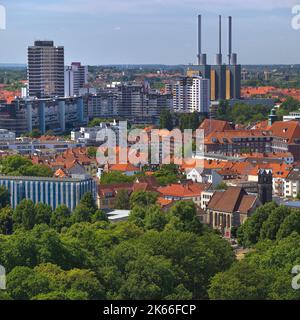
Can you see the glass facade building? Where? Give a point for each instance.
(51, 191)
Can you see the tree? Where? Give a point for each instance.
(289, 225)
(60, 218)
(92, 152)
(24, 215)
(85, 281)
(99, 215)
(6, 221)
(271, 226)
(122, 200)
(4, 197)
(222, 186)
(43, 213)
(17, 165)
(240, 282)
(183, 217)
(249, 232)
(81, 214)
(150, 277)
(143, 199)
(166, 120)
(89, 202)
(24, 283)
(155, 218)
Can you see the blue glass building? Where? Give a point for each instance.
(51, 191)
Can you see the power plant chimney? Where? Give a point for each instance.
(229, 39)
(201, 56)
(219, 55)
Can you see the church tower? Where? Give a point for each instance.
(265, 186)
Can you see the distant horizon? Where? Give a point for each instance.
(24, 65)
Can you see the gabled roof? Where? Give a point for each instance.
(212, 125)
(287, 130)
(183, 190)
(234, 199)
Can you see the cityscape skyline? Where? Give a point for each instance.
(108, 34)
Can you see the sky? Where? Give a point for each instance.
(100, 32)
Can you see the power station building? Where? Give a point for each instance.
(225, 80)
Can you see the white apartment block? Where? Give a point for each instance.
(191, 94)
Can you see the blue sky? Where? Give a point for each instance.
(150, 31)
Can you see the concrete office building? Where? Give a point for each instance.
(51, 191)
(76, 77)
(135, 102)
(46, 70)
(60, 114)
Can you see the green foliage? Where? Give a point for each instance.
(263, 274)
(290, 224)
(242, 113)
(115, 177)
(6, 221)
(19, 166)
(122, 200)
(167, 174)
(222, 186)
(166, 120)
(183, 217)
(4, 197)
(92, 152)
(25, 215)
(96, 122)
(60, 218)
(249, 232)
(143, 199)
(289, 105)
(241, 282)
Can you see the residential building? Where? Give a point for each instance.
(286, 138)
(292, 184)
(51, 191)
(185, 191)
(76, 77)
(46, 70)
(6, 135)
(191, 94)
(236, 142)
(204, 176)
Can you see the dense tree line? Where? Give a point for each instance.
(59, 255)
(242, 113)
(273, 236)
(17, 165)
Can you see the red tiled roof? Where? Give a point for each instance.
(183, 190)
(288, 130)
